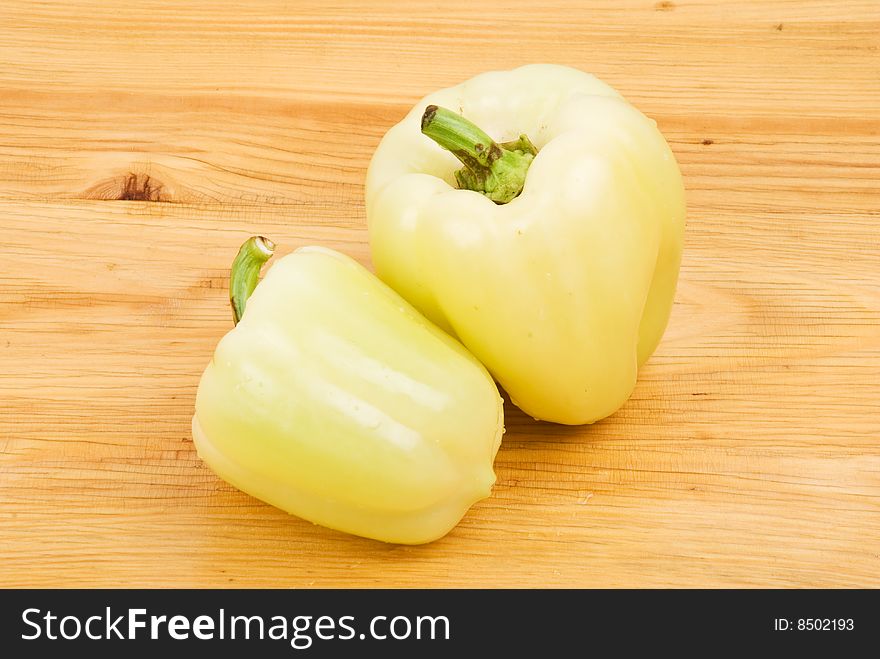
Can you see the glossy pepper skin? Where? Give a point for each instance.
(336, 401)
(563, 289)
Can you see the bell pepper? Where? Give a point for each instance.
(336, 401)
(539, 218)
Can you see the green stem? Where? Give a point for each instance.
(246, 272)
(495, 170)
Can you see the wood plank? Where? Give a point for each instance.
(137, 150)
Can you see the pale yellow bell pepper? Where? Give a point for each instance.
(335, 400)
(553, 254)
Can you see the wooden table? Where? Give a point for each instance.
(139, 145)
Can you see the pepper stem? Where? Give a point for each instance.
(495, 170)
(245, 273)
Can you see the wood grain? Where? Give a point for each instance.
(140, 144)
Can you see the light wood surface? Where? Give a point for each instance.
(749, 454)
